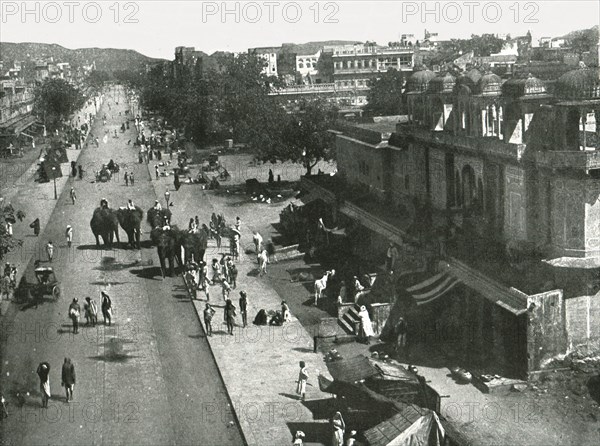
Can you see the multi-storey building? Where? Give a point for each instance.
(354, 66)
(269, 55)
(187, 58)
(505, 177)
(16, 106)
(307, 67)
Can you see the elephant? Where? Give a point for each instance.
(156, 218)
(105, 224)
(168, 248)
(130, 220)
(194, 245)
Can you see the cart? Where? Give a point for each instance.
(103, 175)
(47, 283)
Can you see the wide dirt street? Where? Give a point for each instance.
(146, 379)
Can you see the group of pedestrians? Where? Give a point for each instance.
(129, 178)
(91, 311)
(68, 379)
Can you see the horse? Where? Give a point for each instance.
(321, 284)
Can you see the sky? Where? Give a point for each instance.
(155, 28)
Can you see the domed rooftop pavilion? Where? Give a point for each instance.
(489, 84)
(444, 83)
(419, 80)
(468, 80)
(523, 85)
(580, 84)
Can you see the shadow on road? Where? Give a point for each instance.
(151, 273)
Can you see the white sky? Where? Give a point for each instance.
(163, 25)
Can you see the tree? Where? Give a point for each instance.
(96, 79)
(8, 215)
(385, 95)
(585, 40)
(55, 100)
(305, 137)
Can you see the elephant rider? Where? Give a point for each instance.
(157, 206)
(104, 203)
(167, 225)
(130, 205)
(111, 165)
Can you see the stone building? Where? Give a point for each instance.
(506, 176)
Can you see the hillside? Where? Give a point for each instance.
(313, 47)
(107, 59)
(591, 32)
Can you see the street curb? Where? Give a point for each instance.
(233, 411)
(212, 353)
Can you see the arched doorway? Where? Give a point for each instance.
(469, 186)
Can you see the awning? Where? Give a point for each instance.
(352, 370)
(408, 428)
(17, 125)
(433, 288)
(453, 272)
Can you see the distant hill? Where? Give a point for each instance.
(591, 32)
(107, 59)
(313, 47)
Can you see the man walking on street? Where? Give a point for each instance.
(50, 251)
(156, 171)
(43, 372)
(244, 307)
(69, 235)
(126, 177)
(68, 378)
(167, 197)
(74, 313)
(131, 179)
(36, 226)
(91, 312)
(302, 380)
(73, 195)
(209, 312)
(106, 305)
(258, 240)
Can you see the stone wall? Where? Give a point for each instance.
(592, 217)
(437, 178)
(568, 216)
(582, 315)
(546, 331)
(360, 162)
(515, 200)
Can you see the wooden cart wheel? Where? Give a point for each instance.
(56, 292)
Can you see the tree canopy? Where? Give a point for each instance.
(231, 100)
(55, 100)
(385, 94)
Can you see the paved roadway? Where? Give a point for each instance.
(145, 380)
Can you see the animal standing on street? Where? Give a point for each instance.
(320, 285)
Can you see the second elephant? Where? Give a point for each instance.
(130, 220)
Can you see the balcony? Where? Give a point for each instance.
(476, 144)
(315, 89)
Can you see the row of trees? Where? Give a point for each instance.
(232, 101)
(55, 100)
